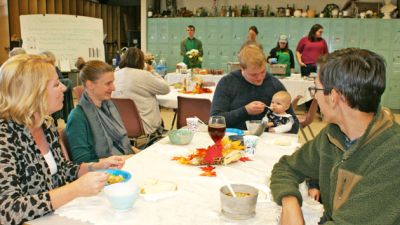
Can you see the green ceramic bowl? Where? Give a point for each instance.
(180, 137)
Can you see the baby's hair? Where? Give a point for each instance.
(285, 96)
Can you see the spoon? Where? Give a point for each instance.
(227, 184)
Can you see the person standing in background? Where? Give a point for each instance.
(190, 43)
(310, 48)
(252, 37)
(282, 54)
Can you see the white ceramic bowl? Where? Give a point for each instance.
(122, 196)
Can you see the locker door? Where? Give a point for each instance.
(352, 33)
(336, 37)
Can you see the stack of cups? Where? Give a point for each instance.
(192, 123)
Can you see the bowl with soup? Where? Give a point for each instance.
(241, 207)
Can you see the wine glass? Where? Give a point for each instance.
(216, 128)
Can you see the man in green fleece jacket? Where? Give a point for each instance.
(356, 157)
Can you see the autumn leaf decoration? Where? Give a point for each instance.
(223, 152)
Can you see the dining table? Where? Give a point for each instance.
(170, 100)
(196, 200)
(295, 85)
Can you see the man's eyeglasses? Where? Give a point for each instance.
(313, 91)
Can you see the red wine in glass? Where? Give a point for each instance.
(216, 128)
(216, 131)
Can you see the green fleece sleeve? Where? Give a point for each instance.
(292, 170)
(80, 139)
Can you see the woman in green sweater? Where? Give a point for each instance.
(94, 128)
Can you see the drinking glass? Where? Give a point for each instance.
(216, 127)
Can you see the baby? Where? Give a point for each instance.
(276, 117)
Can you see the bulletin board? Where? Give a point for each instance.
(67, 36)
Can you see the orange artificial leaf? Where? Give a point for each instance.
(207, 168)
(209, 174)
(245, 159)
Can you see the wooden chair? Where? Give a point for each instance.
(130, 117)
(190, 107)
(78, 90)
(64, 143)
(308, 118)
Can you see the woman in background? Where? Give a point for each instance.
(252, 37)
(134, 82)
(95, 129)
(310, 48)
(283, 55)
(35, 178)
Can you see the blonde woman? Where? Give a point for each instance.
(95, 129)
(35, 179)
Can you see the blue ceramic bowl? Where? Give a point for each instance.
(116, 172)
(181, 136)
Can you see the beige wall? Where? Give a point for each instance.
(4, 33)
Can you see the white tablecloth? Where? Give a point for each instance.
(298, 87)
(293, 86)
(173, 78)
(170, 100)
(197, 200)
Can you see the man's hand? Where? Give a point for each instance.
(255, 107)
(291, 211)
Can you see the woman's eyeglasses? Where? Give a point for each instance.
(313, 91)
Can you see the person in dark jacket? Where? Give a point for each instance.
(244, 94)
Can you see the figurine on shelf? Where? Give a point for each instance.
(387, 9)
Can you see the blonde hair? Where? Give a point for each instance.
(23, 89)
(285, 97)
(91, 70)
(251, 55)
(16, 51)
(51, 56)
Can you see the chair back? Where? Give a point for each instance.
(295, 101)
(190, 107)
(64, 143)
(78, 90)
(208, 84)
(130, 116)
(310, 115)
